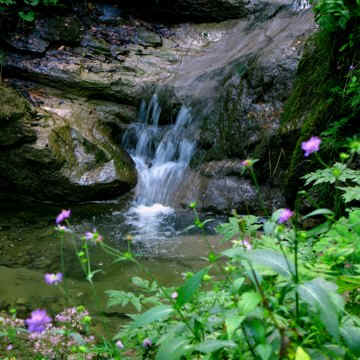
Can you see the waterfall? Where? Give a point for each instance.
(161, 155)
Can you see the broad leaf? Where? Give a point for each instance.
(255, 328)
(232, 322)
(301, 354)
(315, 293)
(264, 351)
(175, 346)
(274, 260)
(234, 252)
(187, 291)
(351, 336)
(156, 313)
(213, 345)
(248, 302)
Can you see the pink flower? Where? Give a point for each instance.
(310, 146)
(9, 347)
(93, 236)
(53, 279)
(38, 321)
(119, 344)
(174, 295)
(246, 163)
(247, 245)
(285, 215)
(62, 216)
(147, 343)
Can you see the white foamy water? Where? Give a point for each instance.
(161, 155)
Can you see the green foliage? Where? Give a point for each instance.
(333, 14)
(25, 9)
(337, 173)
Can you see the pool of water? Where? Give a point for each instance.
(30, 247)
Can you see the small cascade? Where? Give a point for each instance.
(161, 155)
(299, 5)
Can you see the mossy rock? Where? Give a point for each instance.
(15, 117)
(313, 105)
(12, 106)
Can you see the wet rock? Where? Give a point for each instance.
(58, 162)
(148, 38)
(14, 118)
(59, 29)
(218, 187)
(235, 75)
(195, 10)
(31, 42)
(109, 13)
(97, 45)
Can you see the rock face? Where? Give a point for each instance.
(195, 10)
(221, 186)
(47, 158)
(89, 73)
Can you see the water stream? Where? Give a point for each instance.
(162, 155)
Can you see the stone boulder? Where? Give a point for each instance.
(46, 157)
(222, 186)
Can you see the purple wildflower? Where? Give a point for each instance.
(119, 344)
(285, 215)
(246, 163)
(9, 347)
(310, 146)
(38, 321)
(53, 279)
(62, 216)
(147, 343)
(174, 295)
(93, 236)
(246, 245)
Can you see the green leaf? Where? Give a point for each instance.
(122, 298)
(176, 346)
(29, 16)
(232, 322)
(142, 283)
(32, 2)
(315, 293)
(248, 302)
(320, 229)
(229, 230)
(351, 336)
(301, 354)
(274, 260)
(319, 212)
(338, 172)
(234, 252)
(264, 351)
(213, 345)
(156, 313)
(237, 283)
(187, 291)
(350, 193)
(256, 329)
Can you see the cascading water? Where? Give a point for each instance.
(161, 155)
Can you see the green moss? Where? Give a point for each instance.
(61, 144)
(311, 106)
(12, 105)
